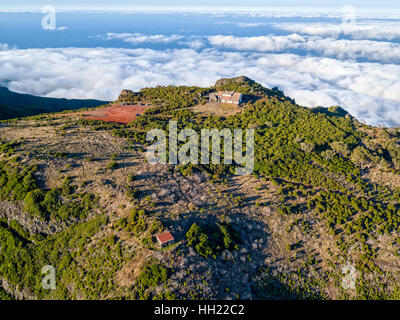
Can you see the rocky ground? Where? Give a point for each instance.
(248, 204)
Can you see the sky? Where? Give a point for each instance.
(127, 4)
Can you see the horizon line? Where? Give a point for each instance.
(209, 9)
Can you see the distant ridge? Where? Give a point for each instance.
(13, 105)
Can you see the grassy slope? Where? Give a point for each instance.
(325, 193)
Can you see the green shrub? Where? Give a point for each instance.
(211, 241)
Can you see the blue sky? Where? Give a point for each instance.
(125, 4)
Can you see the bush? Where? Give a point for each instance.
(33, 201)
(211, 242)
(151, 275)
(112, 165)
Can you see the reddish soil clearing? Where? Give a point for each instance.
(114, 113)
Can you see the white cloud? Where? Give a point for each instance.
(244, 24)
(382, 51)
(261, 44)
(367, 30)
(385, 52)
(251, 24)
(370, 91)
(194, 42)
(5, 47)
(138, 38)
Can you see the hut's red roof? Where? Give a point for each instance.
(165, 237)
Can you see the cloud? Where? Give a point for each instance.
(138, 38)
(359, 31)
(252, 25)
(381, 51)
(6, 47)
(369, 91)
(261, 44)
(193, 42)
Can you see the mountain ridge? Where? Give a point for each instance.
(13, 104)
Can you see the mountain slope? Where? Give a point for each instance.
(79, 195)
(14, 104)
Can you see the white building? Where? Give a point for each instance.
(230, 97)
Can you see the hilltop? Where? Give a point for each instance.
(78, 194)
(248, 87)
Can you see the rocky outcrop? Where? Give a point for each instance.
(242, 80)
(126, 95)
(12, 211)
(15, 292)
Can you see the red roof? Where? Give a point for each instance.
(165, 237)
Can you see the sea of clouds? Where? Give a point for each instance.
(354, 66)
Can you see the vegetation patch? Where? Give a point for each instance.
(212, 240)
